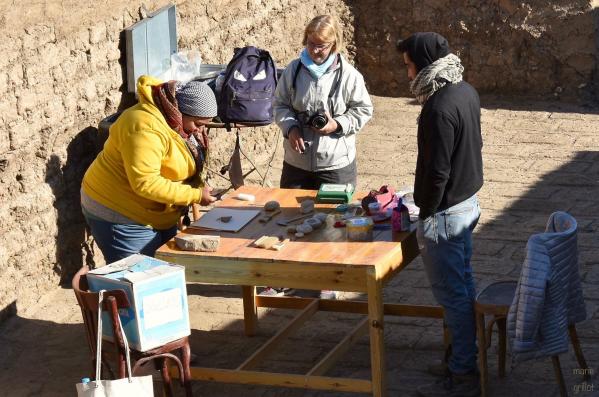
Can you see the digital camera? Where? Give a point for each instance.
(318, 120)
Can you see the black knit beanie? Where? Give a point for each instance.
(424, 48)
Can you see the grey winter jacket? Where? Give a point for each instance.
(352, 108)
(549, 294)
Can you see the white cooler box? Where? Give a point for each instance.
(158, 297)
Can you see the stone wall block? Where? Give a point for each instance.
(27, 100)
(53, 113)
(51, 54)
(15, 74)
(10, 50)
(38, 35)
(72, 65)
(69, 104)
(99, 56)
(113, 53)
(88, 90)
(97, 33)
(3, 83)
(28, 181)
(24, 134)
(79, 41)
(60, 78)
(35, 74)
(114, 27)
(18, 240)
(5, 218)
(3, 254)
(43, 198)
(4, 142)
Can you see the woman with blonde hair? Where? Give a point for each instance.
(321, 103)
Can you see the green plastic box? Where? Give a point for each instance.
(335, 193)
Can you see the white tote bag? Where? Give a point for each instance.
(138, 386)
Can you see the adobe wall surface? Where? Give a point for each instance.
(537, 48)
(61, 72)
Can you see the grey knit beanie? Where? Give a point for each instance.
(196, 99)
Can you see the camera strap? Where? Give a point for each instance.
(334, 86)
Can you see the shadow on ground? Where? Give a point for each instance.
(47, 357)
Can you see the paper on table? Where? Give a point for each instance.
(239, 218)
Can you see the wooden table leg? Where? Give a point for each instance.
(250, 312)
(482, 351)
(376, 326)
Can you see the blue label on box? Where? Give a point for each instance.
(158, 297)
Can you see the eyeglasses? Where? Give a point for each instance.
(319, 47)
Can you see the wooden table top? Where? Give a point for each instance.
(326, 246)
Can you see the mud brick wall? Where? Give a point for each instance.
(62, 71)
(537, 48)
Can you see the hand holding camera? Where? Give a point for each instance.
(323, 123)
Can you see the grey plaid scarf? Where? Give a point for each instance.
(435, 76)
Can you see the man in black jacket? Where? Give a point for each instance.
(448, 174)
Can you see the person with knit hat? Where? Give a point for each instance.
(449, 173)
(152, 167)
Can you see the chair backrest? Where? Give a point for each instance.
(560, 243)
(549, 293)
(88, 302)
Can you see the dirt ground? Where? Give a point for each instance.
(538, 157)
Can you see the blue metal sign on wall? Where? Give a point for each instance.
(150, 44)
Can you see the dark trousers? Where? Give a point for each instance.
(296, 178)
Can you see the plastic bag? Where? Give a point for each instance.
(185, 65)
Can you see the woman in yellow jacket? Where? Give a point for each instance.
(151, 168)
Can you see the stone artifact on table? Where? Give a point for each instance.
(197, 242)
(307, 206)
(272, 206)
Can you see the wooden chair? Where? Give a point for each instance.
(557, 251)
(113, 301)
(495, 301)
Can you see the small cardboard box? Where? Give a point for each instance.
(158, 297)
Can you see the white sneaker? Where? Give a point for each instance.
(328, 294)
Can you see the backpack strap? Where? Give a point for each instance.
(335, 85)
(268, 58)
(297, 70)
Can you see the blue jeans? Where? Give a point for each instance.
(118, 241)
(445, 242)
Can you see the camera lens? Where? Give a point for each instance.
(318, 121)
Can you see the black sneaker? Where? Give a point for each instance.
(439, 368)
(452, 385)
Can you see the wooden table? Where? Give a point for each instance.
(321, 260)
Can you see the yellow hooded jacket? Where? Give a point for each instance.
(140, 171)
